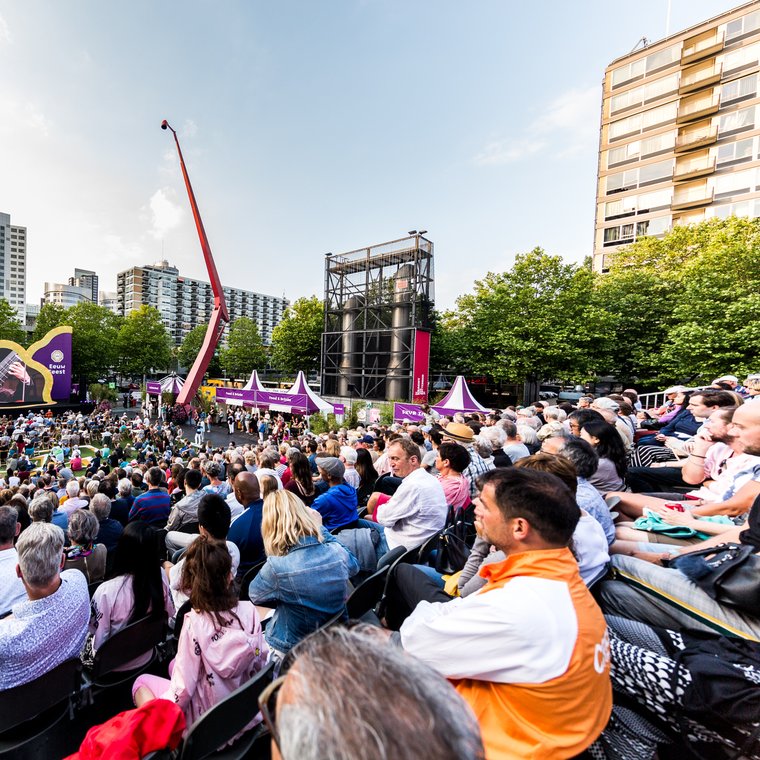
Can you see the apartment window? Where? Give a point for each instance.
(739, 89)
(741, 58)
(657, 226)
(645, 120)
(644, 94)
(734, 184)
(737, 121)
(735, 153)
(743, 26)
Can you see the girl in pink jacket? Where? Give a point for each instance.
(221, 645)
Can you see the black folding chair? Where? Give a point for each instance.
(361, 604)
(211, 732)
(247, 578)
(138, 638)
(31, 711)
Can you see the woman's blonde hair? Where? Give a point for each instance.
(285, 521)
(332, 447)
(268, 485)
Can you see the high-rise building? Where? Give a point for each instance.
(13, 265)
(110, 300)
(680, 132)
(85, 278)
(185, 303)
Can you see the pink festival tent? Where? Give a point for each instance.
(459, 399)
(254, 383)
(314, 402)
(172, 384)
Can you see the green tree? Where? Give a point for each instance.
(10, 325)
(51, 315)
(143, 342)
(245, 350)
(684, 306)
(191, 347)
(537, 321)
(95, 330)
(297, 340)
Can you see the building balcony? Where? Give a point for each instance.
(692, 197)
(704, 76)
(702, 46)
(697, 138)
(697, 108)
(692, 168)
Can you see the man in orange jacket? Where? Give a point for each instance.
(529, 652)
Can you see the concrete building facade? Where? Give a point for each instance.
(680, 132)
(13, 265)
(185, 303)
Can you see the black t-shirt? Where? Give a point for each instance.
(751, 535)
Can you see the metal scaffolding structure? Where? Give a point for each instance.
(375, 300)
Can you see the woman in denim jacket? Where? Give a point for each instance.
(306, 573)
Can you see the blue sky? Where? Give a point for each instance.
(307, 127)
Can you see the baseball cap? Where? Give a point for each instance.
(332, 466)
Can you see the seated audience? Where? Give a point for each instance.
(451, 462)
(11, 588)
(298, 551)
(221, 645)
(84, 552)
(338, 504)
(51, 625)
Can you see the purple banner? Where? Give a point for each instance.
(339, 409)
(54, 353)
(153, 387)
(240, 397)
(407, 413)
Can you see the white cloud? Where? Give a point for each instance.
(568, 125)
(5, 32)
(189, 128)
(17, 117)
(165, 213)
(505, 151)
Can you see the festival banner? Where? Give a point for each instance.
(153, 387)
(407, 413)
(240, 397)
(421, 366)
(339, 409)
(54, 352)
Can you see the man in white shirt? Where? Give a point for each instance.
(418, 509)
(11, 587)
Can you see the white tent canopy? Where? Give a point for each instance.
(171, 384)
(459, 399)
(254, 383)
(314, 402)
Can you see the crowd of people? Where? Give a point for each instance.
(569, 623)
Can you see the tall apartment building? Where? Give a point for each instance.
(680, 132)
(13, 265)
(65, 295)
(86, 278)
(185, 303)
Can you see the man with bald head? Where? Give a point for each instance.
(245, 532)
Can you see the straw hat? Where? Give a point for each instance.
(459, 432)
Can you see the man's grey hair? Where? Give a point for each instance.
(125, 487)
(552, 430)
(40, 551)
(555, 413)
(100, 506)
(494, 435)
(509, 428)
(212, 469)
(527, 435)
(154, 477)
(482, 446)
(83, 527)
(8, 523)
(356, 697)
(41, 509)
(72, 489)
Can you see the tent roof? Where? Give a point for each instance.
(315, 403)
(459, 399)
(254, 383)
(171, 384)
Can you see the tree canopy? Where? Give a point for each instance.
(143, 343)
(51, 315)
(245, 350)
(94, 339)
(10, 325)
(297, 340)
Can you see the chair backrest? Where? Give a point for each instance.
(225, 719)
(367, 594)
(427, 549)
(129, 643)
(22, 703)
(179, 619)
(248, 578)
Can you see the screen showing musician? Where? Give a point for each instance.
(19, 382)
